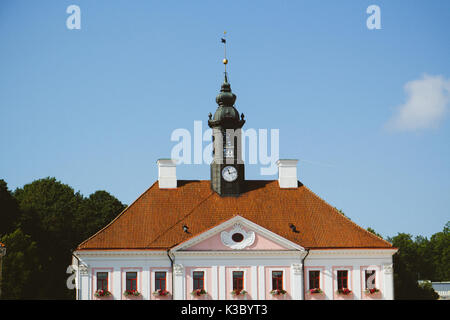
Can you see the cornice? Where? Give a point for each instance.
(240, 253)
(114, 253)
(352, 252)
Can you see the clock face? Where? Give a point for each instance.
(229, 173)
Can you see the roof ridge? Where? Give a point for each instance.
(117, 217)
(345, 217)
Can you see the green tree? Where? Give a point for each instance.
(21, 268)
(439, 249)
(58, 219)
(373, 231)
(96, 212)
(407, 269)
(342, 212)
(48, 209)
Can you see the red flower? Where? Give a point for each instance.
(344, 291)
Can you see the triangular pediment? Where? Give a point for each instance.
(237, 233)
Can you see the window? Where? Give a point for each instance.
(199, 279)
(238, 280)
(237, 237)
(160, 280)
(314, 279)
(131, 281)
(369, 279)
(228, 150)
(102, 280)
(342, 279)
(277, 280)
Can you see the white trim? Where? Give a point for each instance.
(222, 286)
(238, 254)
(179, 282)
(388, 252)
(254, 277)
(214, 289)
(104, 253)
(261, 283)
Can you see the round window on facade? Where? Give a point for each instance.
(237, 237)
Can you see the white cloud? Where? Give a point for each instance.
(426, 105)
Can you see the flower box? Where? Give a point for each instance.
(315, 290)
(102, 293)
(238, 292)
(161, 293)
(278, 292)
(133, 293)
(198, 292)
(371, 291)
(344, 291)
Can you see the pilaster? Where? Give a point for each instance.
(179, 291)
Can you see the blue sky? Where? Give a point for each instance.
(365, 111)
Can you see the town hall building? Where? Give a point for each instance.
(232, 238)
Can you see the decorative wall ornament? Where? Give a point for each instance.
(388, 268)
(297, 268)
(178, 269)
(83, 270)
(237, 238)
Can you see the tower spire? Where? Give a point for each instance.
(227, 167)
(225, 60)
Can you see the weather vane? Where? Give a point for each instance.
(225, 60)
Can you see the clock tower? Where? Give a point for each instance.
(227, 167)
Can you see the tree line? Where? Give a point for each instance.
(42, 223)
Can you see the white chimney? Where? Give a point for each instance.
(287, 173)
(167, 174)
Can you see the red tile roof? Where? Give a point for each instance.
(155, 220)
